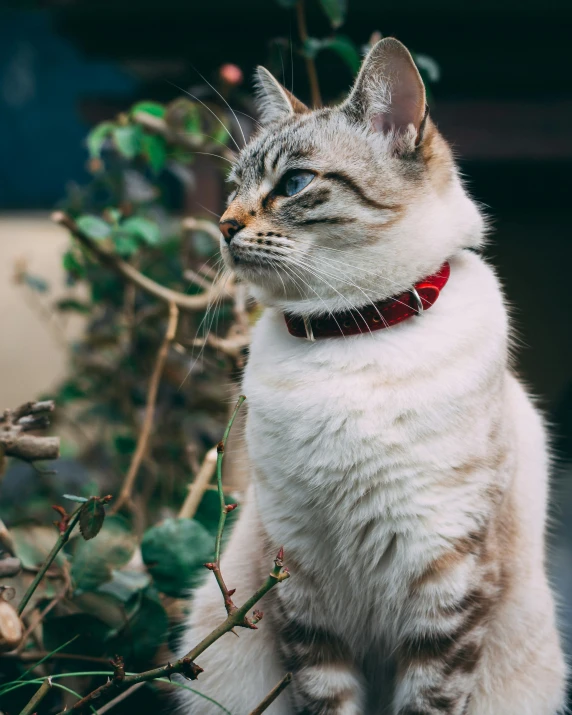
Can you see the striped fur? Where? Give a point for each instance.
(405, 471)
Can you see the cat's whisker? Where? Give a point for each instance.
(225, 101)
(219, 120)
(344, 299)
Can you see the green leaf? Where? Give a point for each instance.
(125, 245)
(125, 584)
(339, 44)
(142, 228)
(192, 122)
(93, 226)
(73, 497)
(114, 214)
(96, 138)
(175, 552)
(91, 518)
(335, 10)
(153, 108)
(71, 304)
(70, 391)
(128, 140)
(33, 544)
(145, 632)
(124, 443)
(154, 149)
(221, 133)
(72, 265)
(93, 561)
(428, 67)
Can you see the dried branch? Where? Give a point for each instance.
(40, 694)
(129, 273)
(272, 695)
(144, 435)
(186, 665)
(122, 696)
(14, 424)
(235, 616)
(199, 485)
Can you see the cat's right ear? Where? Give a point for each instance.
(389, 94)
(274, 101)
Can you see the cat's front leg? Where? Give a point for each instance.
(443, 636)
(325, 680)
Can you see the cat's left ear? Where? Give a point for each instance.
(274, 101)
(389, 94)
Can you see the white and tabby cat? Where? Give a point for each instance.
(405, 469)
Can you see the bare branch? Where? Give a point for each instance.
(272, 695)
(145, 434)
(199, 485)
(15, 423)
(128, 272)
(39, 695)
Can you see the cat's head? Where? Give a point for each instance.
(339, 206)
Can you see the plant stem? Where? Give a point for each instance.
(219, 457)
(185, 666)
(58, 546)
(272, 695)
(40, 694)
(199, 485)
(146, 429)
(310, 64)
(129, 273)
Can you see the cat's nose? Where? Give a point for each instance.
(229, 228)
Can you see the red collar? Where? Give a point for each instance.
(374, 316)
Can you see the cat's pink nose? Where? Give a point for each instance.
(229, 228)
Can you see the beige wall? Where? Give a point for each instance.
(32, 347)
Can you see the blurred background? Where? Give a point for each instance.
(498, 75)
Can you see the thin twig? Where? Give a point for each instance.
(144, 435)
(51, 605)
(199, 485)
(235, 616)
(122, 696)
(57, 547)
(224, 509)
(185, 666)
(310, 64)
(272, 695)
(129, 273)
(39, 695)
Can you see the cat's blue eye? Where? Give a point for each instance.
(294, 182)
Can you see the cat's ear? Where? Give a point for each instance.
(274, 101)
(389, 94)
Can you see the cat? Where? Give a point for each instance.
(403, 469)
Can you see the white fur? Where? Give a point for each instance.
(358, 445)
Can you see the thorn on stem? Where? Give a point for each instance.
(190, 670)
(118, 666)
(220, 447)
(230, 507)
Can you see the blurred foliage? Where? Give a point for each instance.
(122, 588)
